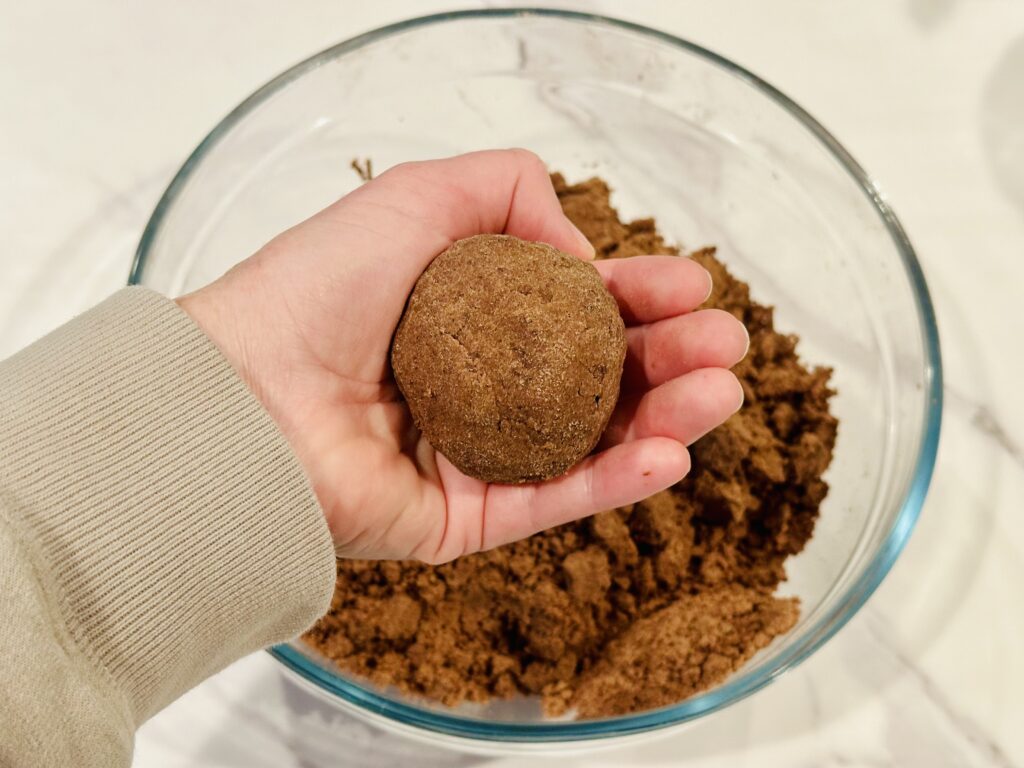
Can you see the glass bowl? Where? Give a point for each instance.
(717, 155)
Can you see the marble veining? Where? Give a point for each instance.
(985, 421)
(961, 724)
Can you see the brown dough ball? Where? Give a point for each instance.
(509, 355)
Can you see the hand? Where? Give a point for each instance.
(308, 320)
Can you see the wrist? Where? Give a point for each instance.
(220, 325)
(249, 348)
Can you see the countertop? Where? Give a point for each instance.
(101, 102)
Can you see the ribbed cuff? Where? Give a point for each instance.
(175, 520)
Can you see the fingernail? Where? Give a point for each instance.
(586, 247)
(711, 286)
(746, 349)
(743, 394)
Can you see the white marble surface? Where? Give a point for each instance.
(100, 102)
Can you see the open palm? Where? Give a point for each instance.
(308, 322)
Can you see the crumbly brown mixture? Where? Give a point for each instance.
(509, 355)
(636, 607)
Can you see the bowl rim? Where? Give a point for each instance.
(744, 683)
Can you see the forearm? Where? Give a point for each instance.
(158, 522)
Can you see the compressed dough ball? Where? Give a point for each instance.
(509, 355)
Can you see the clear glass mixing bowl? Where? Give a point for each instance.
(716, 155)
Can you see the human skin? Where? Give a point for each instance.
(308, 320)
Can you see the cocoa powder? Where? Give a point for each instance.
(634, 608)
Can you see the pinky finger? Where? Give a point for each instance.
(621, 475)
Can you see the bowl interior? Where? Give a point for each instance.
(716, 156)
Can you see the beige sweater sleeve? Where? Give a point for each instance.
(154, 526)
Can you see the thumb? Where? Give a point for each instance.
(490, 192)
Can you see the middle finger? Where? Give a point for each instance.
(661, 351)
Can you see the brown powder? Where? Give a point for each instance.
(634, 608)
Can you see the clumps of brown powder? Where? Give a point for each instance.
(637, 607)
